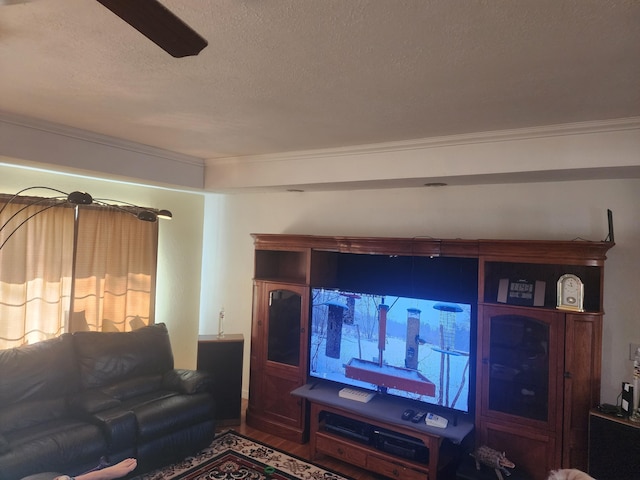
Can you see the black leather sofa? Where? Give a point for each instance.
(67, 402)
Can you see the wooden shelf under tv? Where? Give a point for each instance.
(382, 414)
(367, 457)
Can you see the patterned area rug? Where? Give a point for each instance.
(232, 456)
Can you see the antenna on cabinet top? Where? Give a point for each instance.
(610, 237)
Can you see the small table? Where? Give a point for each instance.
(222, 357)
(614, 447)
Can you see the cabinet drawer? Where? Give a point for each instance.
(393, 470)
(344, 451)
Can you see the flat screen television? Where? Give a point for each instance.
(415, 348)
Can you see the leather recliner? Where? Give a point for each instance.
(67, 402)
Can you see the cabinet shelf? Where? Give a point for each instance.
(591, 276)
(282, 265)
(365, 457)
(392, 463)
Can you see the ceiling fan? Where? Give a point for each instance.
(158, 24)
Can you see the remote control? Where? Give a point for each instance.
(419, 415)
(434, 420)
(408, 414)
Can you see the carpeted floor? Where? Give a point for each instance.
(233, 456)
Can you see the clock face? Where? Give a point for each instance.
(570, 292)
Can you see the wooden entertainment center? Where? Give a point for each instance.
(537, 368)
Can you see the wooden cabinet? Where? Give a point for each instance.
(520, 395)
(222, 356)
(278, 359)
(537, 369)
(582, 364)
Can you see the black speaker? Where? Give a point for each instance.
(614, 448)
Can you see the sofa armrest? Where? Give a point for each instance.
(92, 401)
(188, 381)
(119, 427)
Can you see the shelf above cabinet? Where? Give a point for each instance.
(591, 276)
(289, 266)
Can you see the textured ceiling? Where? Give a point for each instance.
(288, 75)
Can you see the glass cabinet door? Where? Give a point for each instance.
(284, 326)
(278, 360)
(522, 364)
(519, 366)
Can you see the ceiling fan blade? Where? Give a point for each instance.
(158, 24)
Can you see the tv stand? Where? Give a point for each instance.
(373, 436)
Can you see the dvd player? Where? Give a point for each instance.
(348, 427)
(401, 445)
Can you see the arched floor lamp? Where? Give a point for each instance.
(75, 198)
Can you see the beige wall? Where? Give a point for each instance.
(180, 245)
(554, 210)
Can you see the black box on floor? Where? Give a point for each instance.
(614, 448)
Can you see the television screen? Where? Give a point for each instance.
(410, 347)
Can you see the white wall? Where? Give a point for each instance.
(555, 211)
(179, 249)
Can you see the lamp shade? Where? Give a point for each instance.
(147, 216)
(166, 214)
(80, 198)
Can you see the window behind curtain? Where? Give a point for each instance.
(35, 274)
(114, 283)
(115, 271)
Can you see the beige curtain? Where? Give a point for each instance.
(113, 288)
(35, 272)
(115, 271)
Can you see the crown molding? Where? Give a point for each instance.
(98, 139)
(581, 128)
